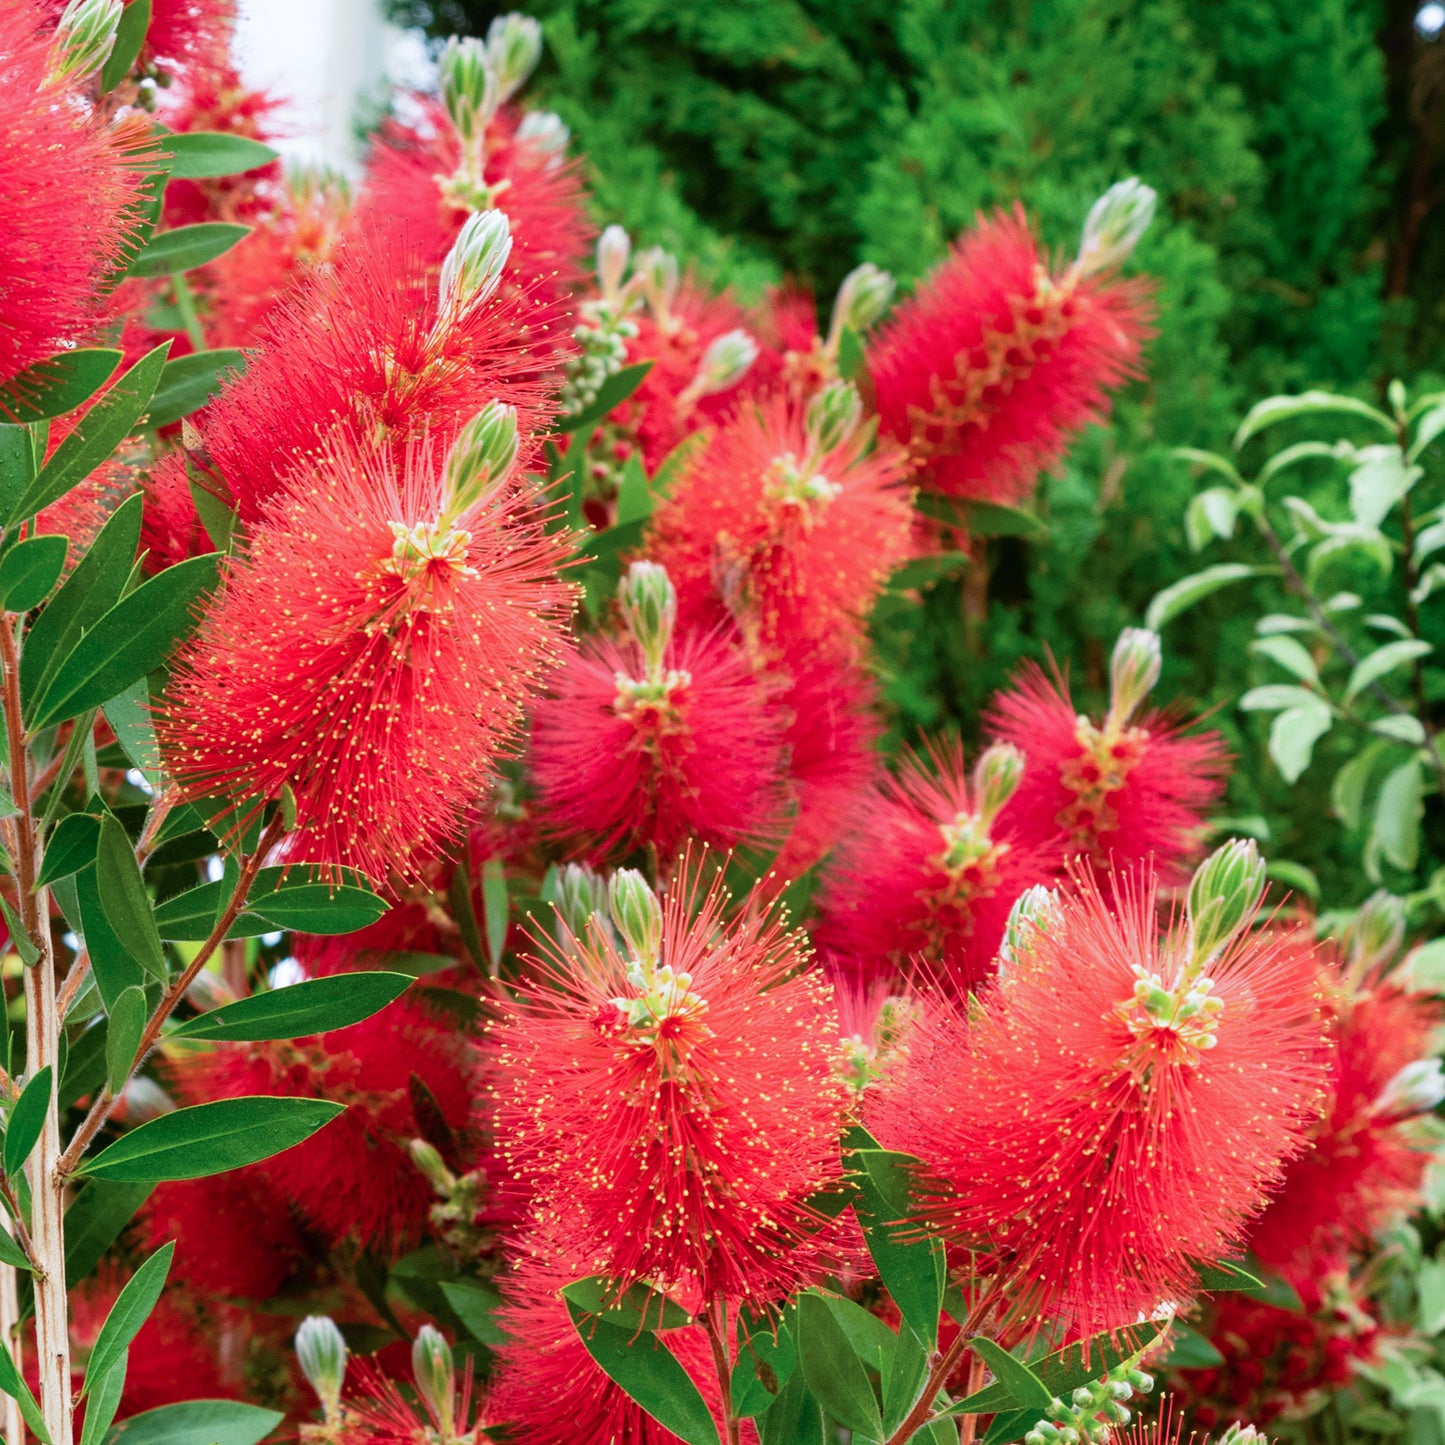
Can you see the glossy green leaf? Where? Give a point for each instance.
(129, 716)
(189, 382)
(130, 1311)
(795, 1418)
(125, 1025)
(314, 1007)
(1276, 409)
(17, 464)
(29, 570)
(1026, 1389)
(130, 35)
(10, 1252)
(96, 435)
(905, 1371)
(103, 1402)
(636, 1308)
(198, 1422)
(613, 392)
(186, 247)
(1381, 661)
(980, 519)
(201, 154)
(112, 964)
(475, 1303)
(1399, 811)
(1293, 735)
(14, 1386)
(649, 1372)
(1189, 1350)
(833, 1372)
(496, 907)
(765, 1363)
(216, 517)
(1179, 596)
(24, 945)
(1224, 1275)
(1010, 1425)
(94, 1221)
(57, 385)
(125, 901)
(27, 1119)
(208, 1139)
(923, 572)
(135, 637)
(318, 907)
(912, 1267)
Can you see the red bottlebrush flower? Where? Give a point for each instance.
(677, 1098)
(1082, 1127)
(1117, 793)
(376, 1412)
(196, 33)
(361, 353)
(405, 198)
(1370, 1149)
(928, 873)
(233, 1236)
(171, 527)
(380, 649)
(991, 369)
(619, 761)
(67, 192)
(793, 540)
(403, 1074)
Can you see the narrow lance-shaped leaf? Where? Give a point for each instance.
(29, 570)
(130, 1311)
(56, 385)
(313, 1007)
(216, 1422)
(125, 901)
(27, 1119)
(832, 1369)
(14, 1386)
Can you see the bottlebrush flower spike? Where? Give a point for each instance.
(654, 740)
(990, 370)
(1114, 1113)
(675, 1095)
(380, 644)
(791, 540)
(927, 873)
(68, 189)
(1119, 792)
(372, 353)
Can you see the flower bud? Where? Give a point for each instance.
(614, 248)
(469, 89)
(724, 363)
(1415, 1089)
(656, 272)
(580, 894)
(1115, 223)
(430, 1162)
(1239, 1434)
(545, 131)
(637, 914)
(996, 777)
(1133, 671)
(862, 299)
(84, 38)
(1376, 931)
(1035, 911)
(435, 1376)
(1224, 892)
(473, 267)
(648, 602)
(321, 1353)
(514, 46)
(481, 458)
(833, 415)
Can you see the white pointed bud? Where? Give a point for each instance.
(1115, 223)
(1415, 1089)
(581, 893)
(321, 1353)
(996, 778)
(430, 1162)
(724, 363)
(469, 88)
(546, 132)
(481, 459)
(1223, 895)
(834, 414)
(1376, 931)
(1035, 914)
(648, 603)
(514, 46)
(614, 250)
(637, 914)
(435, 1376)
(657, 275)
(1238, 1434)
(84, 38)
(474, 265)
(1133, 671)
(862, 299)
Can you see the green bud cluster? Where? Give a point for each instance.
(834, 414)
(1241, 1434)
(581, 894)
(1376, 932)
(1133, 671)
(658, 277)
(637, 915)
(648, 603)
(862, 299)
(996, 778)
(481, 458)
(1092, 1411)
(1035, 913)
(723, 364)
(469, 90)
(1223, 895)
(84, 38)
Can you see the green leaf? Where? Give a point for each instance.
(125, 901)
(104, 1401)
(475, 1303)
(316, 1006)
(1293, 735)
(17, 464)
(765, 1363)
(1024, 1387)
(924, 572)
(27, 1119)
(189, 382)
(1189, 1350)
(912, 1267)
(186, 247)
(1347, 791)
(57, 385)
(1010, 1425)
(1181, 595)
(10, 1252)
(202, 154)
(1382, 660)
(1289, 654)
(96, 435)
(1275, 696)
(1401, 728)
(1295, 876)
(1398, 813)
(24, 944)
(871, 1340)
(905, 1371)
(496, 904)
(1276, 409)
(111, 961)
(833, 1372)
(216, 517)
(14, 1386)
(613, 392)
(1210, 461)
(29, 570)
(634, 501)
(208, 1139)
(1300, 452)
(649, 1372)
(315, 907)
(852, 358)
(129, 716)
(94, 1221)
(1225, 1276)
(214, 1422)
(1210, 513)
(980, 519)
(127, 1018)
(130, 35)
(135, 637)
(91, 590)
(794, 1418)
(635, 1308)
(129, 1312)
